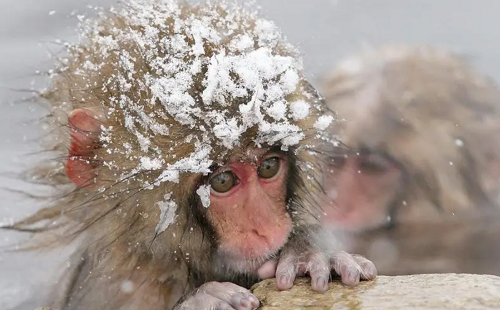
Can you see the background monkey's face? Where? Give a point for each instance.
(360, 189)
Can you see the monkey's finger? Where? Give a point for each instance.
(319, 269)
(286, 271)
(268, 269)
(345, 266)
(368, 269)
(244, 301)
(238, 297)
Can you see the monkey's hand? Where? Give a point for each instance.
(297, 261)
(218, 296)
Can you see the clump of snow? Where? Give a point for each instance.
(150, 163)
(168, 207)
(204, 192)
(242, 43)
(227, 131)
(299, 109)
(323, 122)
(277, 110)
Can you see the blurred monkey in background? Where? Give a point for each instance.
(419, 189)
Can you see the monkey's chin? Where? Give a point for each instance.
(226, 261)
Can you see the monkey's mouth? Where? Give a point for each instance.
(228, 261)
(247, 255)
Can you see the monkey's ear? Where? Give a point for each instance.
(84, 129)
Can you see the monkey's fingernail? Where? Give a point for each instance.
(353, 276)
(284, 281)
(320, 284)
(245, 302)
(253, 300)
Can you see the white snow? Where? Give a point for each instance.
(150, 163)
(299, 109)
(323, 122)
(277, 110)
(204, 192)
(167, 213)
(459, 142)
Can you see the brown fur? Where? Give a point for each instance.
(115, 222)
(415, 104)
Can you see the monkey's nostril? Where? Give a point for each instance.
(256, 232)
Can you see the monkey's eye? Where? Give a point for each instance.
(373, 163)
(223, 181)
(269, 167)
(336, 161)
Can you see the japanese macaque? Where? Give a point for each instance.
(189, 135)
(419, 190)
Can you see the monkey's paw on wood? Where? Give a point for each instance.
(319, 265)
(219, 296)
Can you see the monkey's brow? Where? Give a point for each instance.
(365, 150)
(254, 155)
(276, 149)
(214, 167)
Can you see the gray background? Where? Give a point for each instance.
(324, 30)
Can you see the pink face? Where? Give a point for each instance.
(248, 207)
(360, 188)
(247, 201)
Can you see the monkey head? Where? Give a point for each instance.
(421, 127)
(186, 129)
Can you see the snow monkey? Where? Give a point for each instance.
(190, 135)
(424, 132)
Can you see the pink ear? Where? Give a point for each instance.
(84, 132)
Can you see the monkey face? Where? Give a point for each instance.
(248, 209)
(361, 188)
